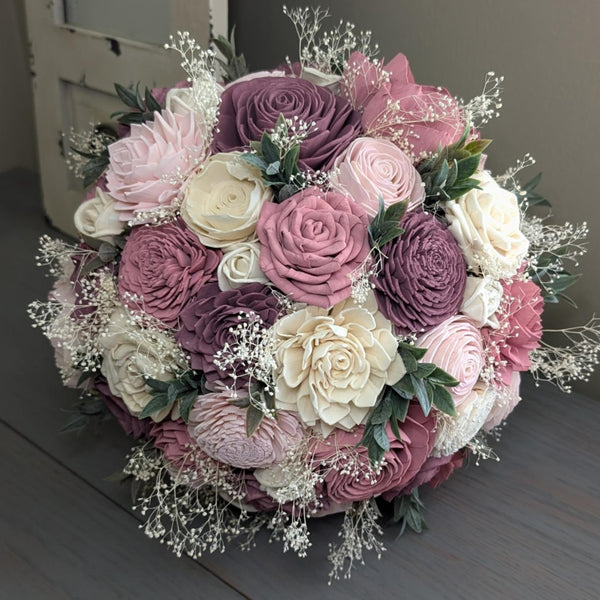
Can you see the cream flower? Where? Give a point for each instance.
(332, 364)
(222, 202)
(129, 354)
(481, 300)
(97, 217)
(486, 225)
(453, 433)
(240, 265)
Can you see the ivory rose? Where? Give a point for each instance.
(240, 265)
(332, 364)
(128, 356)
(372, 168)
(142, 166)
(456, 347)
(481, 300)
(97, 217)
(486, 224)
(222, 202)
(311, 243)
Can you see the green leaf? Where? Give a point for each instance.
(157, 384)
(468, 166)
(443, 401)
(151, 103)
(91, 265)
(273, 168)
(187, 401)
(382, 411)
(290, 162)
(158, 402)
(127, 95)
(477, 146)
(400, 407)
(269, 150)
(409, 360)
(381, 438)
(405, 388)
(418, 353)
(286, 191)
(440, 377)
(425, 370)
(254, 416)
(421, 394)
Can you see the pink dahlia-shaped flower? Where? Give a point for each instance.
(219, 429)
(207, 325)
(423, 277)
(403, 460)
(251, 106)
(145, 168)
(311, 243)
(506, 400)
(165, 267)
(520, 331)
(456, 347)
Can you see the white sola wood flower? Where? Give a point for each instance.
(332, 364)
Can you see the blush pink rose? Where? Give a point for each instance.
(520, 331)
(456, 347)
(417, 118)
(506, 400)
(402, 462)
(311, 243)
(372, 168)
(146, 167)
(173, 439)
(219, 429)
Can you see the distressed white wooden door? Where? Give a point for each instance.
(79, 49)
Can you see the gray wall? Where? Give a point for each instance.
(16, 103)
(549, 53)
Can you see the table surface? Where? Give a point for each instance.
(525, 527)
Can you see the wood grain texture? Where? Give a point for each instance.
(526, 527)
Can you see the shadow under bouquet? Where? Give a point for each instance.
(302, 292)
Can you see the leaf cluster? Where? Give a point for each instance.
(526, 193)
(279, 169)
(96, 163)
(89, 410)
(234, 66)
(184, 390)
(448, 173)
(552, 278)
(259, 394)
(408, 510)
(105, 253)
(385, 227)
(142, 108)
(424, 381)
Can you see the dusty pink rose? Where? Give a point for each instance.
(417, 118)
(402, 462)
(250, 107)
(310, 243)
(372, 168)
(145, 167)
(520, 330)
(506, 400)
(173, 439)
(434, 472)
(219, 429)
(165, 266)
(456, 347)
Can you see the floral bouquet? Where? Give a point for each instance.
(302, 292)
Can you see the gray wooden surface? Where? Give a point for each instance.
(526, 527)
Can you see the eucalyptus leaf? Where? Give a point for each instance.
(254, 416)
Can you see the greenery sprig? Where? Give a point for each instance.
(106, 253)
(97, 161)
(90, 410)
(143, 108)
(448, 173)
(385, 227)
(259, 395)
(234, 66)
(526, 193)
(278, 164)
(184, 390)
(408, 511)
(424, 381)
